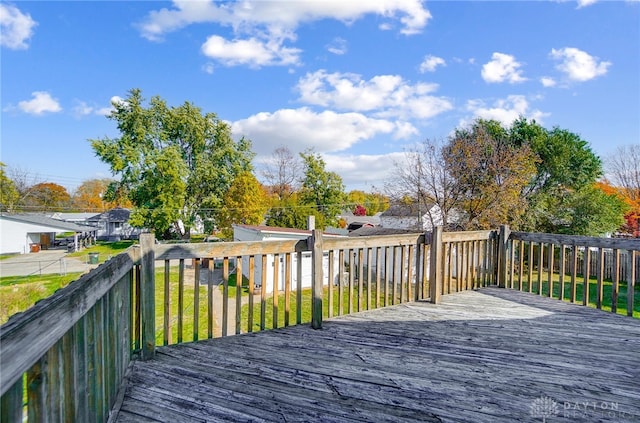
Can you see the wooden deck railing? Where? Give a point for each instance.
(65, 358)
(573, 268)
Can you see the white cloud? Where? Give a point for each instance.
(248, 15)
(16, 28)
(41, 103)
(303, 128)
(363, 171)
(81, 108)
(503, 110)
(338, 46)
(579, 65)
(384, 95)
(547, 81)
(251, 52)
(430, 63)
(208, 68)
(585, 3)
(501, 68)
(104, 111)
(262, 27)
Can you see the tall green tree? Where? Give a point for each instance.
(175, 163)
(566, 171)
(321, 189)
(289, 212)
(8, 193)
(246, 202)
(490, 174)
(588, 211)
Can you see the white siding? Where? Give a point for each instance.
(16, 237)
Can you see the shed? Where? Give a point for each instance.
(265, 233)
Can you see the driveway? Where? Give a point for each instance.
(43, 262)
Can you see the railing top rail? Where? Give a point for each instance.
(467, 236)
(372, 241)
(582, 241)
(227, 249)
(28, 335)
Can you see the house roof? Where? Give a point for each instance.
(114, 215)
(39, 219)
(377, 230)
(404, 210)
(70, 217)
(370, 220)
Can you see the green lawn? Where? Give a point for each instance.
(607, 291)
(18, 293)
(106, 250)
(289, 315)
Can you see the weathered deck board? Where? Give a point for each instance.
(481, 356)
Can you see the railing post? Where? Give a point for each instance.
(435, 267)
(315, 244)
(147, 295)
(502, 255)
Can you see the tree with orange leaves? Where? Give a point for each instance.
(94, 195)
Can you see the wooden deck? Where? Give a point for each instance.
(493, 355)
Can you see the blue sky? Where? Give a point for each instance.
(357, 81)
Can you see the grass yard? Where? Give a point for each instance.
(607, 292)
(288, 315)
(189, 332)
(106, 250)
(18, 293)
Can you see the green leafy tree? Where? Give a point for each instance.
(174, 163)
(376, 202)
(371, 202)
(490, 174)
(321, 189)
(290, 213)
(566, 171)
(246, 202)
(8, 193)
(587, 211)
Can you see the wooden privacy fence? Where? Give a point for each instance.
(66, 357)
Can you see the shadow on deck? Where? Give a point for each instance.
(492, 355)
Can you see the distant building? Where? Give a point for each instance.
(113, 225)
(269, 233)
(29, 233)
(354, 222)
(79, 218)
(412, 217)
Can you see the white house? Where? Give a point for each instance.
(419, 219)
(410, 216)
(266, 233)
(25, 233)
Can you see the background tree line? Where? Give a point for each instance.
(21, 191)
(524, 175)
(177, 167)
